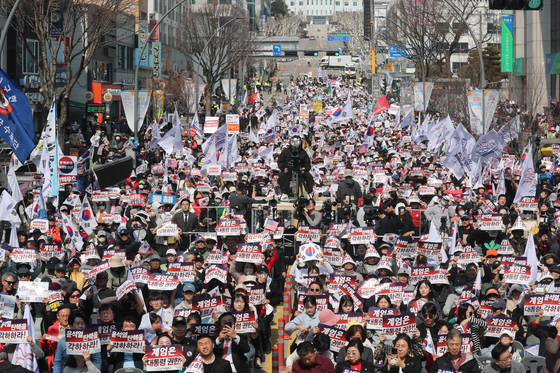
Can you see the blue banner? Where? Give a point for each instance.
(16, 118)
(165, 199)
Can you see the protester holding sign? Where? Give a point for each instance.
(454, 359)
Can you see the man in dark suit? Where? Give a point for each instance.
(230, 346)
(211, 362)
(187, 222)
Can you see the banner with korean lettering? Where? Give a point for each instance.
(337, 279)
(337, 336)
(128, 341)
(32, 292)
(23, 255)
(125, 288)
(347, 289)
(13, 331)
(429, 249)
(140, 275)
(376, 316)
(216, 271)
(249, 253)
(162, 281)
(322, 302)
(466, 344)
(51, 250)
(184, 271)
(434, 275)
(498, 325)
(333, 256)
(228, 227)
(517, 274)
(207, 306)
(549, 303)
(362, 236)
(352, 317)
(164, 358)
(393, 290)
(105, 331)
(394, 325)
(244, 322)
(78, 340)
(256, 294)
(210, 329)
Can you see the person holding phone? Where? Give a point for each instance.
(400, 360)
(231, 346)
(354, 361)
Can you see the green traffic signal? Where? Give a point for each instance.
(336, 54)
(315, 54)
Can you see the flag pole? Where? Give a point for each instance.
(6, 27)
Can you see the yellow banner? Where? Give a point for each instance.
(318, 105)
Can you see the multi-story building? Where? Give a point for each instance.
(321, 11)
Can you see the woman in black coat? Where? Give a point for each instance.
(354, 352)
(401, 361)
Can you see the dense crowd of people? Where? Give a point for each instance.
(403, 260)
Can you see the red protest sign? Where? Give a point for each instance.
(429, 249)
(549, 303)
(228, 227)
(78, 340)
(50, 250)
(376, 316)
(517, 274)
(162, 281)
(498, 325)
(244, 322)
(210, 329)
(249, 253)
(337, 336)
(128, 341)
(256, 294)
(164, 358)
(184, 271)
(105, 331)
(394, 325)
(140, 275)
(13, 331)
(207, 306)
(322, 301)
(216, 271)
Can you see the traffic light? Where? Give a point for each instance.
(516, 4)
(336, 53)
(315, 54)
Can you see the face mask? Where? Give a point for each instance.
(150, 178)
(249, 271)
(444, 202)
(458, 289)
(101, 239)
(102, 207)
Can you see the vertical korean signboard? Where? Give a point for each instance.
(507, 44)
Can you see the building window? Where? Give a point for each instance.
(337, 3)
(308, 12)
(457, 66)
(29, 65)
(321, 2)
(292, 3)
(122, 57)
(497, 45)
(493, 28)
(462, 47)
(331, 2)
(355, 3)
(301, 3)
(346, 3)
(131, 54)
(331, 11)
(321, 11)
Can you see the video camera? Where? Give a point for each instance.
(300, 204)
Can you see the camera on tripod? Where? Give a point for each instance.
(370, 214)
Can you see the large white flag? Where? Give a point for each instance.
(510, 131)
(156, 137)
(491, 145)
(267, 154)
(48, 136)
(72, 232)
(408, 119)
(528, 182)
(13, 185)
(440, 132)
(24, 355)
(233, 152)
(531, 255)
(220, 137)
(209, 158)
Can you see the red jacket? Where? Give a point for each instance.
(50, 345)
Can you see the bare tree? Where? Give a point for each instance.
(286, 25)
(215, 56)
(179, 92)
(430, 31)
(85, 26)
(353, 23)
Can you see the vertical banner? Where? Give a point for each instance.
(153, 21)
(229, 85)
(127, 98)
(491, 97)
(155, 59)
(142, 39)
(474, 99)
(507, 44)
(419, 104)
(158, 104)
